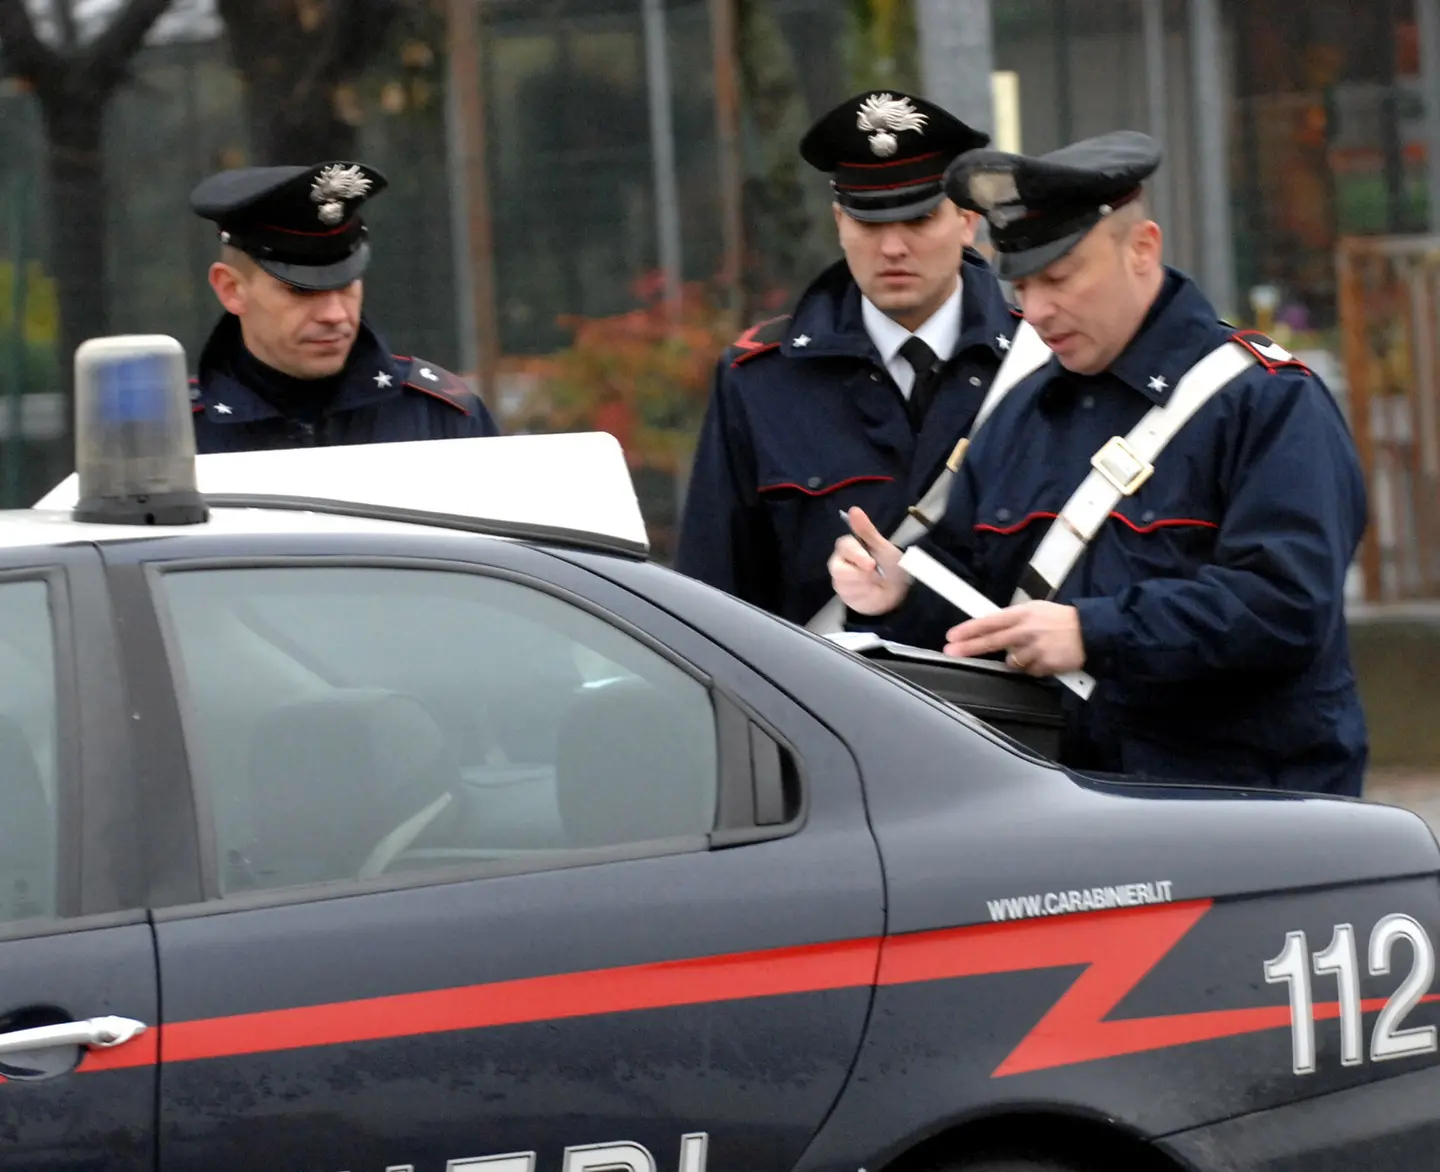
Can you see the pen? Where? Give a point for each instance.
(845, 516)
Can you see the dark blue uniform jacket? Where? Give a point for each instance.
(803, 421)
(1211, 603)
(377, 398)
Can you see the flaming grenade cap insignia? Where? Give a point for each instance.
(885, 116)
(336, 183)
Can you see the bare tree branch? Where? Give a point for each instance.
(24, 53)
(322, 62)
(65, 19)
(112, 51)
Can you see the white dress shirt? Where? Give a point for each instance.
(941, 332)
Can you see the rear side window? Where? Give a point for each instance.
(352, 722)
(29, 748)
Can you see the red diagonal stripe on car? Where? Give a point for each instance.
(1117, 950)
(843, 965)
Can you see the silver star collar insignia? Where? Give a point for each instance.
(1002, 341)
(1158, 383)
(222, 409)
(801, 342)
(382, 379)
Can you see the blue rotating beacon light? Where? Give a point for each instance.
(134, 438)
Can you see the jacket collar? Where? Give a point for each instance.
(371, 375)
(986, 318)
(829, 321)
(1180, 329)
(941, 331)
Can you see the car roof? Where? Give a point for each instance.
(21, 528)
(568, 488)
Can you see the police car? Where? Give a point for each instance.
(385, 810)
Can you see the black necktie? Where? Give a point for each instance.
(926, 366)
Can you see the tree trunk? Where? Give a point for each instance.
(286, 128)
(293, 58)
(75, 166)
(791, 235)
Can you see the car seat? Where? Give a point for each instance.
(331, 776)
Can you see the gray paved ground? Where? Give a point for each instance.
(1415, 791)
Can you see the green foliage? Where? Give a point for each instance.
(881, 47)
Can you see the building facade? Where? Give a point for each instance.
(1287, 125)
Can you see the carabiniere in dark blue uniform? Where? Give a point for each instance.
(1211, 602)
(302, 226)
(805, 419)
(240, 404)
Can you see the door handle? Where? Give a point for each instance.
(98, 1032)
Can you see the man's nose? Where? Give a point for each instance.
(330, 308)
(1036, 307)
(893, 243)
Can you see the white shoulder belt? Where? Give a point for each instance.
(1120, 467)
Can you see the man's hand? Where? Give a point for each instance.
(1042, 638)
(853, 570)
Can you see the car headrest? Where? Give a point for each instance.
(634, 764)
(332, 775)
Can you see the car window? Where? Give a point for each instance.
(28, 752)
(350, 722)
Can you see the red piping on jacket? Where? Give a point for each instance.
(1163, 523)
(832, 488)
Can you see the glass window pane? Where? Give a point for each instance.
(28, 752)
(347, 722)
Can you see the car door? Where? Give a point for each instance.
(497, 861)
(78, 997)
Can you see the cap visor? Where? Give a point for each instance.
(914, 210)
(320, 278)
(1010, 266)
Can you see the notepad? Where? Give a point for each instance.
(954, 589)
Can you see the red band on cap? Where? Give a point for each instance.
(298, 232)
(916, 182)
(847, 166)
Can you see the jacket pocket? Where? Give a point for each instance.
(803, 512)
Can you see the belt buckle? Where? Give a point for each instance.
(1119, 463)
(957, 453)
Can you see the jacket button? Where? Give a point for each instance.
(1002, 514)
(974, 380)
(814, 482)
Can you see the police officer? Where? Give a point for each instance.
(1193, 567)
(859, 396)
(293, 363)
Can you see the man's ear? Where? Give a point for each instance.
(229, 287)
(1148, 246)
(972, 225)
